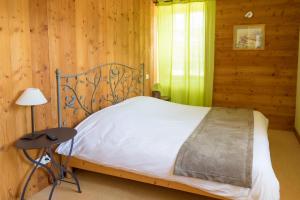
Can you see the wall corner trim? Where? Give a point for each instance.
(297, 134)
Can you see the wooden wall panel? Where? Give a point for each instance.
(7, 116)
(39, 36)
(263, 80)
(40, 65)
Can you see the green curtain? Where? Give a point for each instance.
(186, 34)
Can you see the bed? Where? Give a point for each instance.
(138, 137)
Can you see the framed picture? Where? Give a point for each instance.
(249, 37)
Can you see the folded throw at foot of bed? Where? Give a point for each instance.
(220, 148)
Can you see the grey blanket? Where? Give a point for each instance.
(220, 148)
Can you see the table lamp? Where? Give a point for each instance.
(31, 97)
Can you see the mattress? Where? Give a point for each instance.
(144, 135)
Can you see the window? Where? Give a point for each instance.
(184, 47)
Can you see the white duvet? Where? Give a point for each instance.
(144, 135)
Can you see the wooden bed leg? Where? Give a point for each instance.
(70, 169)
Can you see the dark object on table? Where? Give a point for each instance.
(32, 136)
(46, 145)
(51, 137)
(156, 94)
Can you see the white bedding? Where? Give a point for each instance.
(144, 135)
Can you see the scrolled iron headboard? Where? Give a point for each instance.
(101, 86)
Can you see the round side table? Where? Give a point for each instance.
(47, 145)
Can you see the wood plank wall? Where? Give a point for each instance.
(38, 36)
(263, 80)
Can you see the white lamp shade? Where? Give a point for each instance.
(31, 97)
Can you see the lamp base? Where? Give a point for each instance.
(32, 136)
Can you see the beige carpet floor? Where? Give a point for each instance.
(285, 153)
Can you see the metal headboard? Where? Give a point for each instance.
(101, 86)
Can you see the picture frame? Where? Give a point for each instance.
(249, 37)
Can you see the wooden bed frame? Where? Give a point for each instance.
(85, 165)
(121, 82)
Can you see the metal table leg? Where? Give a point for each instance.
(37, 164)
(70, 172)
(62, 169)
